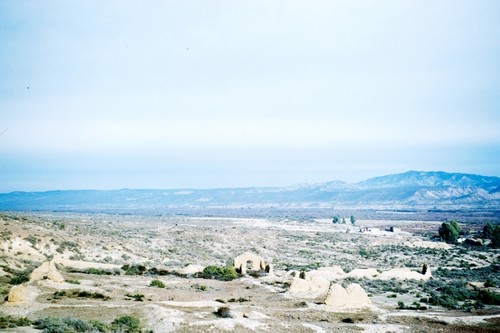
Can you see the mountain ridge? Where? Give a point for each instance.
(413, 190)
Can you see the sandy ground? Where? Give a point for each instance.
(257, 304)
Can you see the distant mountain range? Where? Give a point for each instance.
(413, 190)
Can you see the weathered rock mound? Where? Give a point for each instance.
(46, 271)
(308, 287)
(351, 298)
(248, 261)
(21, 294)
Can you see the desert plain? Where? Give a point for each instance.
(102, 266)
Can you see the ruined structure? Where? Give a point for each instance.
(351, 298)
(248, 261)
(406, 274)
(46, 271)
(22, 293)
(306, 286)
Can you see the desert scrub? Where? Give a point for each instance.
(124, 324)
(72, 246)
(157, 283)
(94, 271)
(218, 273)
(72, 281)
(79, 294)
(134, 269)
(12, 322)
(20, 277)
(136, 297)
(32, 240)
(456, 295)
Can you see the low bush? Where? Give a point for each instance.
(80, 294)
(218, 273)
(124, 324)
(20, 277)
(157, 283)
(134, 269)
(12, 322)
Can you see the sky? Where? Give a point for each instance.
(203, 94)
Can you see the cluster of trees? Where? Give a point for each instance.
(336, 219)
(450, 231)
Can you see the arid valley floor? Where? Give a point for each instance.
(130, 252)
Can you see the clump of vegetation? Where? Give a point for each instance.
(157, 283)
(127, 324)
(413, 306)
(219, 273)
(92, 270)
(80, 294)
(20, 277)
(240, 300)
(12, 322)
(449, 231)
(367, 253)
(200, 287)
(72, 281)
(67, 245)
(134, 269)
(136, 297)
(456, 295)
(32, 240)
(488, 230)
(124, 324)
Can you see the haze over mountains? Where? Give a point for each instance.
(413, 190)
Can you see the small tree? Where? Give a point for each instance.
(448, 232)
(488, 230)
(343, 220)
(353, 220)
(495, 238)
(335, 219)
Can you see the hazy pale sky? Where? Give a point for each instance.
(170, 94)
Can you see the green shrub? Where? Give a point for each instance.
(72, 281)
(134, 269)
(449, 232)
(63, 325)
(219, 273)
(157, 283)
(20, 277)
(126, 324)
(11, 322)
